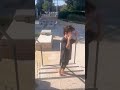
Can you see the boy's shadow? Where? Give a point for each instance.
(44, 85)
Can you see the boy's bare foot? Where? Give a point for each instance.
(59, 72)
(62, 71)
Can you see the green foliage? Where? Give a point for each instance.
(63, 14)
(73, 17)
(64, 8)
(45, 5)
(73, 10)
(39, 4)
(75, 4)
(66, 13)
(70, 8)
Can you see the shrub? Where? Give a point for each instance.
(65, 14)
(73, 17)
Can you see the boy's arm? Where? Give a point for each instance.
(68, 41)
(68, 44)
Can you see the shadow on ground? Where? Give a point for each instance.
(70, 72)
(43, 85)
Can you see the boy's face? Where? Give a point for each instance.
(69, 34)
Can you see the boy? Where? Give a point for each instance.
(66, 48)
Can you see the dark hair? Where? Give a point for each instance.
(68, 28)
(89, 6)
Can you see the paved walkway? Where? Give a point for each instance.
(47, 77)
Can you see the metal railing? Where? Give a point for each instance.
(41, 53)
(75, 51)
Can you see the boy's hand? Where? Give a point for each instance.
(69, 37)
(68, 41)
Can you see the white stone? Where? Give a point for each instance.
(45, 40)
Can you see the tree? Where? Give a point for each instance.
(69, 4)
(63, 8)
(72, 10)
(75, 4)
(39, 6)
(47, 5)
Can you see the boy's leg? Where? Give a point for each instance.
(61, 70)
(60, 67)
(64, 66)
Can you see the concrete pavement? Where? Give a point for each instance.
(47, 77)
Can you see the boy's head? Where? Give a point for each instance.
(68, 29)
